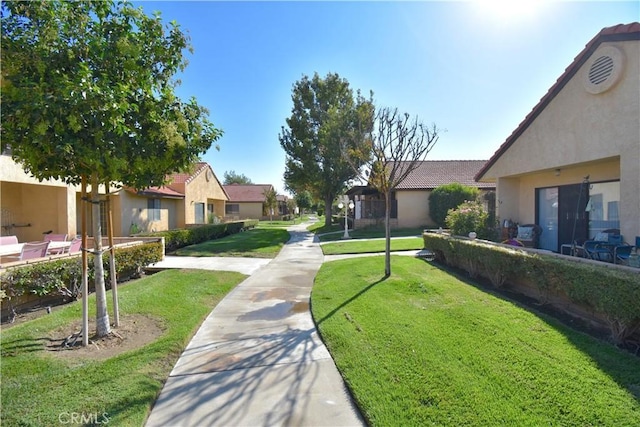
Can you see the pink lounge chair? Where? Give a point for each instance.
(75, 246)
(33, 250)
(8, 240)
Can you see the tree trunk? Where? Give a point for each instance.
(85, 264)
(103, 327)
(387, 234)
(112, 261)
(328, 201)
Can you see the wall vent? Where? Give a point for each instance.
(603, 70)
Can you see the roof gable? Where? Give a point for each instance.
(157, 192)
(246, 192)
(185, 178)
(431, 174)
(626, 32)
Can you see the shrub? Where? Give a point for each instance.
(468, 217)
(64, 276)
(613, 293)
(447, 197)
(176, 239)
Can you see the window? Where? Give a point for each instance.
(232, 209)
(104, 212)
(199, 211)
(153, 209)
(604, 198)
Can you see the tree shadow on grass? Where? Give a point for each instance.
(353, 298)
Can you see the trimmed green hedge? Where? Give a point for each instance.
(614, 293)
(64, 276)
(179, 238)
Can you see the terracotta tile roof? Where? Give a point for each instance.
(434, 173)
(246, 193)
(162, 192)
(181, 178)
(621, 32)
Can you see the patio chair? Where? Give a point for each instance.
(8, 240)
(55, 238)
(621, 254)
(75, 246)
(33, 250)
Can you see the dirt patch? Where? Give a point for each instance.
(133, 332)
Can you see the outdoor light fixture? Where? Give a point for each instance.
(350, 205)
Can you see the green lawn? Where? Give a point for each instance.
(258, 243)
(318, 227)
(368, 246)
(280, 224)
(37, 387)
(425, 348)
(370, 233)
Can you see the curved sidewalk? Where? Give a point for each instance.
(257, 359)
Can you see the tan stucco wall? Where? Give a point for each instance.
(35, 209)
(250, 210)
(516, 200)
(46, 205)
(203, 188)
(574, 133)
(413, 208)
(134, 210)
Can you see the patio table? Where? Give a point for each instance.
(13, 249)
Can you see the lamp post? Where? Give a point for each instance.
(346, 226)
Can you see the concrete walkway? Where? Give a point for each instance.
(242, 265)
(257, 359)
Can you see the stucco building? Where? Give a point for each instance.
(29, 207)
(410, 200)
(246, 201)
(573, 165)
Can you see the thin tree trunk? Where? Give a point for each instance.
(112, 261)
(103, 328)
(387, 234)
(85, 264)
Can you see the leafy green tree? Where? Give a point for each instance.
(270, 201)
(449, 196)
(291, 207)
(396, 149)
(88, 92)
(325, 116)
(231, 177)
(303, 200)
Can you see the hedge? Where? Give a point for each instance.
(179, 238)
(64, 276)
(613, 293)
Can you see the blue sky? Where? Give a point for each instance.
(475, 68)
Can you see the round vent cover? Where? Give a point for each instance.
(603, 70)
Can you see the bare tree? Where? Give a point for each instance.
(396, 148)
